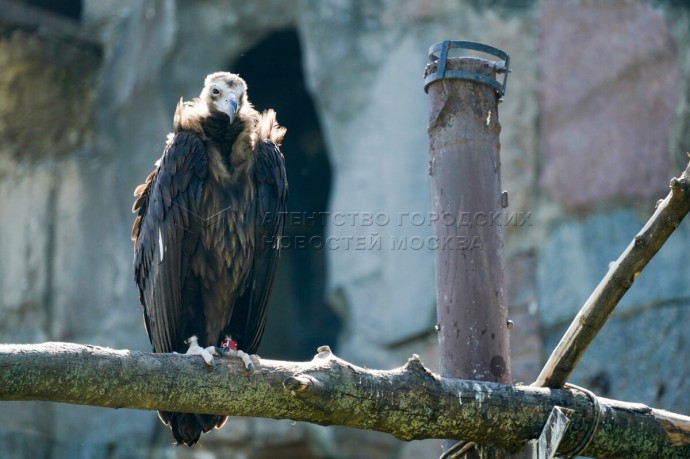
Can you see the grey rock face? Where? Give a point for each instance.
(576, 257)
(647, 347)
(596, 98)
(607, 101)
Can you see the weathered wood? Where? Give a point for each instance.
(409, 402)
(619, 278)
(554, 430)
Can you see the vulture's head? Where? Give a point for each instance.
(224, 92)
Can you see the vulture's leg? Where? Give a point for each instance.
(195, 349)
(229, 347)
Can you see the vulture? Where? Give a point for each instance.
(209, 220)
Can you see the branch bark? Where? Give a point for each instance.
(619, 278)
(408, 402)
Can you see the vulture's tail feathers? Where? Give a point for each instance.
(188, 427)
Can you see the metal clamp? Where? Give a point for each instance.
(502, 66)
(592, 428)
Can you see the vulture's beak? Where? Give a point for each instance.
(232, 107)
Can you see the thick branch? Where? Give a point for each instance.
(408, 402)
(619, 278)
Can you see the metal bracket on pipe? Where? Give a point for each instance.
(502, 66)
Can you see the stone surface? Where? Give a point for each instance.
(361, 130)
(66, 181)
(24, 276)
(576, 256)
(397, 161)
(610, 82)
(65, 191)
(63, 76)
(641, 358)
(678, 15)
(525, 341)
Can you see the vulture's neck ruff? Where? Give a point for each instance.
(219, 131)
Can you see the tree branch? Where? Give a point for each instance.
(619, 278)
(409, 402)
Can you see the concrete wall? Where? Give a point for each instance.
(595, 123)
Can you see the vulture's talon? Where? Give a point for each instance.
(248, 364)
(229, 347)
(195, 349)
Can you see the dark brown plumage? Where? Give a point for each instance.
(206, 235)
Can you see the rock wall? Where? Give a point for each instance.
(594, 124)
(609, 142)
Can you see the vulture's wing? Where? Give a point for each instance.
(165, 233)
(271, 198)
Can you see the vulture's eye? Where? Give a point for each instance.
(215, 91)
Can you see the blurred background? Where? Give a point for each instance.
(595, 123)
